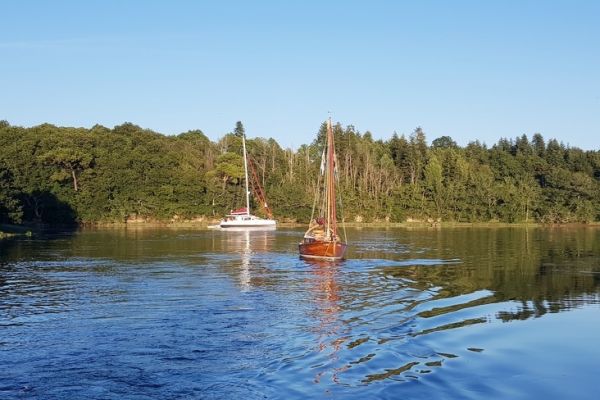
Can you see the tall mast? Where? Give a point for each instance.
(327, 202)
(246, 175)
(331, 212)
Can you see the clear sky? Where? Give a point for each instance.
(466, 69)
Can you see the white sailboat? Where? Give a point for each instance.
(242, 218)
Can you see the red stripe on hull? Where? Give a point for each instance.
(323, 250)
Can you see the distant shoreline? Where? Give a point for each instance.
(11, 231)
(423, 224)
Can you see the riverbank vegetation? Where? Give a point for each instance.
(59, 175)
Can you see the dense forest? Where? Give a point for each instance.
(51, 174)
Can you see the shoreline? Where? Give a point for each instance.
(8, 231)
(12, 231)
(414, 224)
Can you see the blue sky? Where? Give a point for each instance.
(471, 70)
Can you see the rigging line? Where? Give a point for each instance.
(317, 192)
(312, 214)
(342, 213)
(323, 188)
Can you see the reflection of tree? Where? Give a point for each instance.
(327, 311)
(543, 270)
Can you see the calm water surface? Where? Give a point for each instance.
(464, 313)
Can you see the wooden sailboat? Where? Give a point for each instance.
(322, 240)
(242, 218)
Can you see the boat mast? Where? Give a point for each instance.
(331, 212)
(246, 175)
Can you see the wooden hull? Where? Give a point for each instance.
(322, 250)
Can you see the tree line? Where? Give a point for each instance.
(55, 175)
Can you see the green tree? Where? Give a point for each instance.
(70, 161)
(239, 130)
(229, 168)
(10, 206)
(433, 182)
(539, 145)
(417, 154)
(443, 142)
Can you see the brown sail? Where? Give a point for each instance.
(321, 240)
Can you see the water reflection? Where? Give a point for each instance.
(227, 310)
(247, 243)
(245, 268)
(329, 329)
(542, 270)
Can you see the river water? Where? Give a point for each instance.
(451, 313)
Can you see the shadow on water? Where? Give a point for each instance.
(46, 217)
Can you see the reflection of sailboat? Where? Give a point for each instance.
(245, 268)
(241, 218)
(247, 243)
(327, 300)
(321, 240)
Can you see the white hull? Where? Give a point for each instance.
(263, 228)
(247, 221)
